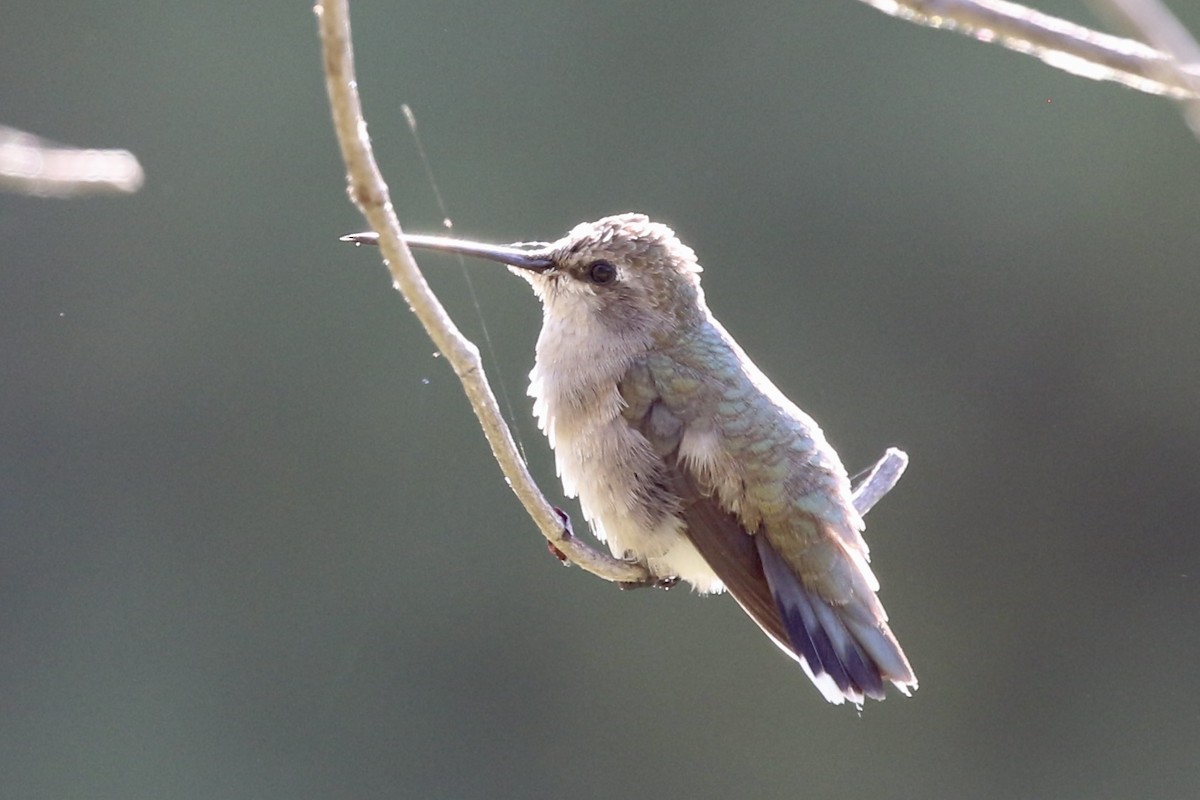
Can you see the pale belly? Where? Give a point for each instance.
(610, 504)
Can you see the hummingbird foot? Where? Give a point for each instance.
(554, 551)
(650, 583)
(568, 533)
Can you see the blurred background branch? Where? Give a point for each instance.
(1168, 65)
(34, 166)
(1154, 22)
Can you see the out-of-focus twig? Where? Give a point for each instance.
(1155, 23)
(34, 166)
(1059, 43)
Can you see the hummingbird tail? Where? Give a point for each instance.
(845, 650)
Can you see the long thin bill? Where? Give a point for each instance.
(535, 261)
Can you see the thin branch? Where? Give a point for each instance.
(1155, 23)
(1057, 42)
(369, 192)
(34, 166)
(880, 480)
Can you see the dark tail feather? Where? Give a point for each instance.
(847, 655)
(845, 659)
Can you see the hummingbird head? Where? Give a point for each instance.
(623, 275)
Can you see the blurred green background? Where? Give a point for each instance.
(252, 543)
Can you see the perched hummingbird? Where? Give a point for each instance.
(685, 458)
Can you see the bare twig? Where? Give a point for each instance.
(34, 166)
(369, 192)
(1155, 23)
(880, 480)
(1059, 43)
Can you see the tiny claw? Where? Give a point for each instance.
(567, 534)
(565, 519)
(367, 237)
(554, 551)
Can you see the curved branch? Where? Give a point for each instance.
(369, 192)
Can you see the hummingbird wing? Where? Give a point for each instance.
(800, 578)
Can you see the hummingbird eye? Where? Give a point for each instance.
(602, 272)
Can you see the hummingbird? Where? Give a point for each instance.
(685, 458)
